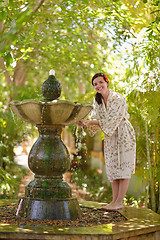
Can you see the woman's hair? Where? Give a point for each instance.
(98, 96)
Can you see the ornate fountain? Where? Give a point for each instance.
(48, 196)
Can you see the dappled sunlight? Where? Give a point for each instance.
(4, 224)
(108, 228)
(135, 223)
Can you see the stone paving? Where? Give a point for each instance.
(90, 217)
(141, 224)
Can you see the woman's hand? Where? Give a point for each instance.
(86, 122)
(80, 123)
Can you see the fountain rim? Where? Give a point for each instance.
(44, 102)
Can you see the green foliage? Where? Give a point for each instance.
(10, 178)
(14, 16)
(67, 36)
(30, 91)
(12, 131)
(92, 185)
(144, 109)
(131, 201)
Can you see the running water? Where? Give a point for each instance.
(13, 116)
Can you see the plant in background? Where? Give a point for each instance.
(12, 131)
(92, 184)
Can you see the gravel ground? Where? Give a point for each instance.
(90, 217)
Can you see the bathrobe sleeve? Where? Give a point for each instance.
(92, 129)
(112, 116)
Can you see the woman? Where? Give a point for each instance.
(110, 114)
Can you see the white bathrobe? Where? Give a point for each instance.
(119, 141)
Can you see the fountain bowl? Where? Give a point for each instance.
(56, 112)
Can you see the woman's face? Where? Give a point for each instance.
(100, 85)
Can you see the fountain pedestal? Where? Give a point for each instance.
(48, 196)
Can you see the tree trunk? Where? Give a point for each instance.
(151, 180)
(6, 73)
(19, 76)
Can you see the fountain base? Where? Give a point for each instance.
(52, 209)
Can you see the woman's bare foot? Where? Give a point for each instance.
(113, 206)
(116, 206)
(108, 206)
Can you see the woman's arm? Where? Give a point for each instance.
(90, 123)
(85, 123)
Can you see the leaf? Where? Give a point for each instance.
(2, 15)
(8, 58)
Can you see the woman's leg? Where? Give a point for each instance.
(115, 190)
(119, 189)
(123, 186)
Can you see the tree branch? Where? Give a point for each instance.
(1, 26)
(38, 6)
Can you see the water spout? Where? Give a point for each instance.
(52, 72)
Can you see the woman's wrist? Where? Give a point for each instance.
(94, 122)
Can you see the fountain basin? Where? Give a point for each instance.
(59, 209)
(59, 112)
